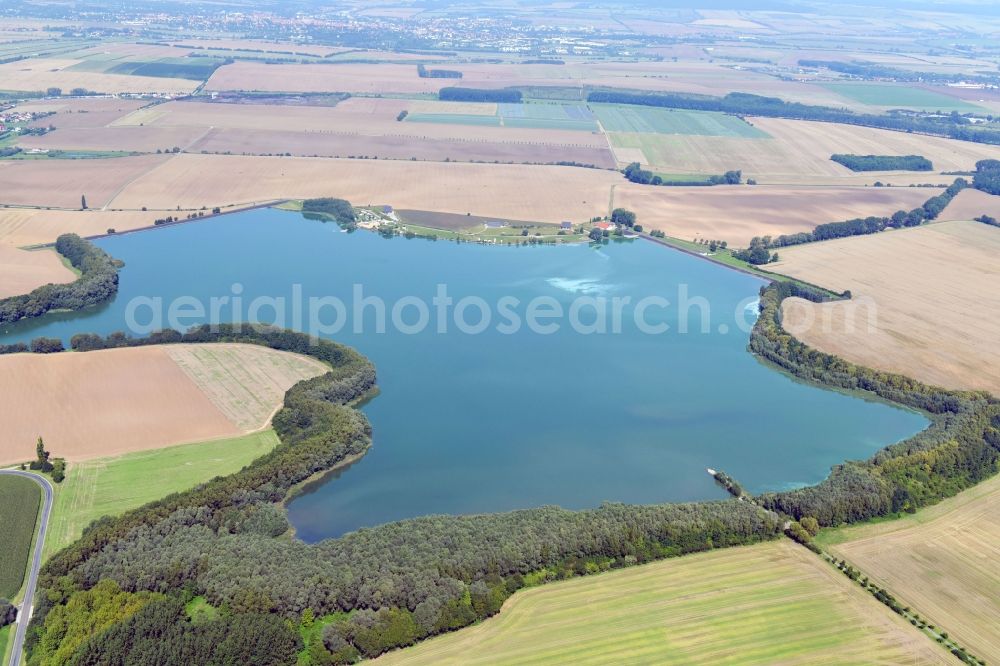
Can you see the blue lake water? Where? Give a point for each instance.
(496, 420)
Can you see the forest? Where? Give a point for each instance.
(398, 582)
(884, 162)
(500, 95)
(952, 126)
(97, 283)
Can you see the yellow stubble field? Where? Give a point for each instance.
(22, 227)
(42, 73)
(109, 402)
(942, 561)
(772, 603)
(61, 183)
(926, 302)
(737, 213)
(520, 192)
(22, 271)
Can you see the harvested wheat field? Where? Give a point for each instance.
(970, 204)
(353, 118)
(347, 77)
(77, 112)
(519, 192)
(738, 213)
(22, 271)
(125, 139)
(932, 295)
(246, 383)
(115, 401)
(39, 74)
(283, 48)
(692, 77)
(22, 227)
(798, 151)
(764, 604)
(302, 144)
(61, 183)
(942, 561)
(705, 78)
(816, 141)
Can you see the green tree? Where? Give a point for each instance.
(41, 461)
(810, 524)
(623, 217)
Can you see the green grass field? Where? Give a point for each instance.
(4, 640)
(193, 68)
(20, 499)
(764, 604)
(673, 150)
(653, 120)
(900, 96)
(110, 486)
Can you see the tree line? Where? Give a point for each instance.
(874, 70)
(502, 95)
(760, 246)
(636, 174)
(883, 162)
(960, 448)
(425, 73)
(952, 126)
(97, 283)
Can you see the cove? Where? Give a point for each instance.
(493, 421)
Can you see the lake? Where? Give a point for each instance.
(489, 416)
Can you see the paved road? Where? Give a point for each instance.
(29, 591)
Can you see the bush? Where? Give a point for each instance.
(8, 613)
